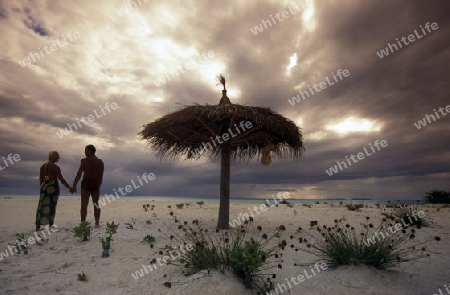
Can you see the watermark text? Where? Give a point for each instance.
(361, 155)
(319, 87)
(71, 127)
(411, 38)
(11, 159)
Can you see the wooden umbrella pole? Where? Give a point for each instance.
(225, 169)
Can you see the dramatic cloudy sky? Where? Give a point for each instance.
(121, 52)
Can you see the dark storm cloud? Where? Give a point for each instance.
(117, 62)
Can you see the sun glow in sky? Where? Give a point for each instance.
(211, 69)
(354, 125)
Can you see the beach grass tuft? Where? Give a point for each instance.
(408, 215)
(379, 247)
(248, 253)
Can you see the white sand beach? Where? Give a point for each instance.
(52, 268)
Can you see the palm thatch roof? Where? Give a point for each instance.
(187, 130)
(229, 130)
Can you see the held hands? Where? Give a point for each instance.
(73, 189)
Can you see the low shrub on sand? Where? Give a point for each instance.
(383, 246)
(437, 197)
(409, 215)
(247, 252)
(354, 207)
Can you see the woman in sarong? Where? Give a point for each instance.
(49, 194)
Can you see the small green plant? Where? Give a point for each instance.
(106, 241)
(148, 239)
(111, 228)
(21, 244)
(83, 230)
(200, 203)
(169, 206)
(307, 205)
(354, 207)
(16, 247)
(180, 206)
(146, 206)
(130, 225)
(148, 222)
(82, 277)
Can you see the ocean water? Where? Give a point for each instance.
(234, 201)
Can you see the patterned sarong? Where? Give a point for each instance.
(46, 209)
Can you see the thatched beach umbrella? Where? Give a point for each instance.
(227, 129)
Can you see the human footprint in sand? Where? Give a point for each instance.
(92, 169)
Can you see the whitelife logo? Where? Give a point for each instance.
(26, 243)
(165, 260)
(27, 60)
(146, 177)
(423, 123)
(66, 131)
(262, 208)
(11, 158)
(285, 14)
(244, 126)
(411, 38)
(340, 73)
(393, 229)
(360, 156)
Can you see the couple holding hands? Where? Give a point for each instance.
(91, 168)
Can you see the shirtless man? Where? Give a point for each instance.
(92, 169)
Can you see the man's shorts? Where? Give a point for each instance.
(91, 185)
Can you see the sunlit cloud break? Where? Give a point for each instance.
(293, 60)
(354, 125)
(191, 64)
